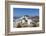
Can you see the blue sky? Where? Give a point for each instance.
(25, 11)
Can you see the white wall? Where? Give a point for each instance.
(2, 18)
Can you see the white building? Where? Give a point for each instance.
(24, 19)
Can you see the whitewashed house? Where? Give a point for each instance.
(24, 21)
